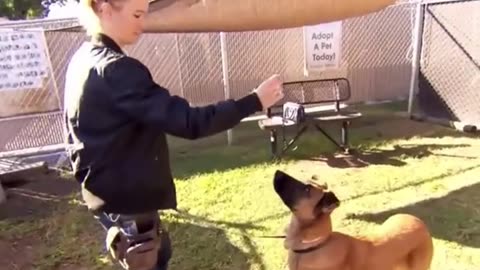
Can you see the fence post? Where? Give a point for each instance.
(177, 48)
(3, 195)
(226, 80)
(416, 57)
(52, 70)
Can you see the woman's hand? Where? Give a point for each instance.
(270, 91)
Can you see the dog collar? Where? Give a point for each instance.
(320, 244)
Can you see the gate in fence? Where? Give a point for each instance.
(448, 64)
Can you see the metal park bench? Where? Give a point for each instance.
(306, 104)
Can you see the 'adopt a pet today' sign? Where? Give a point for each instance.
(323, 45)
(23, 59)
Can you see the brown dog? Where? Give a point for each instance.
(403, 242)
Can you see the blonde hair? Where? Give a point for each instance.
(88, 17)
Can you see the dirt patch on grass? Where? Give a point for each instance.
(18, 255)
(31, 199)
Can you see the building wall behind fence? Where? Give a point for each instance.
(376, 59)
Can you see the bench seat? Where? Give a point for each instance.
(323, 101)
(278, 121)
(340, 116)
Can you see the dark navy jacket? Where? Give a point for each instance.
(117, 119)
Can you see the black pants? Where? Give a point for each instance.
(140, 220)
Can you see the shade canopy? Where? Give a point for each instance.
(252, 15)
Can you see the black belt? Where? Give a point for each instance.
(139, 222)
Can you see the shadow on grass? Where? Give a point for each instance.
(366, 157)
(454, 217)
(199, 243)
(450, 132)
(35, 194)
(252, 146)
(256, 151)
(196, 247)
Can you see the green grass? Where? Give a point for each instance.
(227, 202)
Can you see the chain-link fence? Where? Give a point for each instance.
(29, 102)
(376, 55)
(30, 132)
(208, 67)
(449, 75)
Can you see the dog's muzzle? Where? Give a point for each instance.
(329, 199)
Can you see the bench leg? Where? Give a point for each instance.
(292, 141)
(329, 137)
(345, 145)
(273, 143)
(345, 125)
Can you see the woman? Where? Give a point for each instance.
(117, 119)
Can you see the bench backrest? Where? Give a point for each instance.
(335, 90)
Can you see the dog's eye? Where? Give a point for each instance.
(307, 189)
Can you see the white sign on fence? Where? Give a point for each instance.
(23, 60)
(323, 44)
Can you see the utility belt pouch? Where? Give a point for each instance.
(136, 251)
(293, 112)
